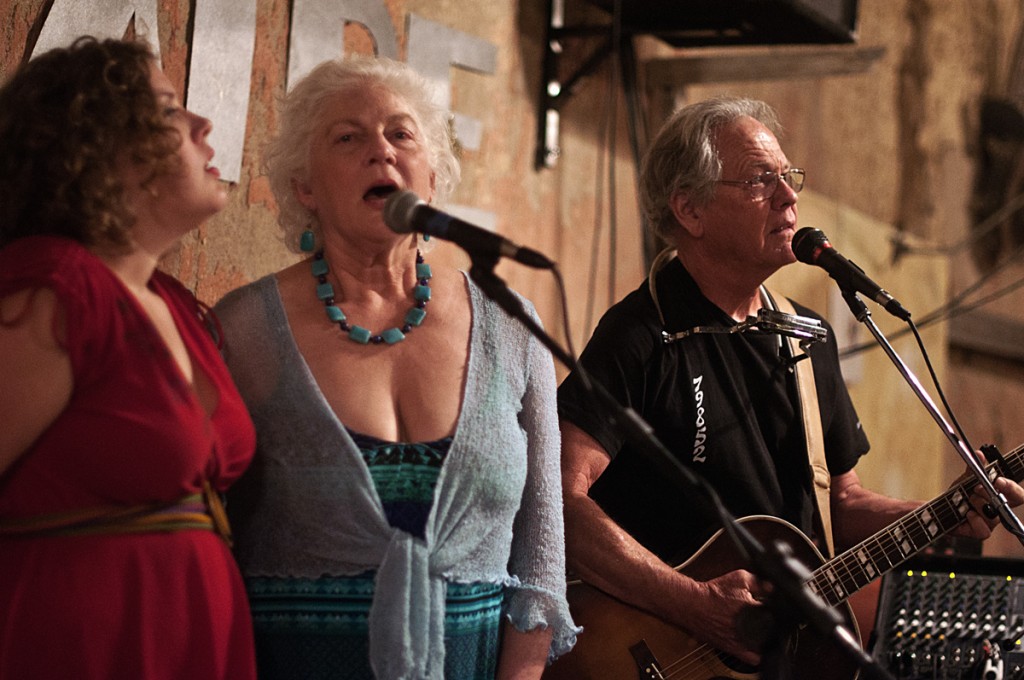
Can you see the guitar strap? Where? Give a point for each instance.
(808, 395)
(806, 392)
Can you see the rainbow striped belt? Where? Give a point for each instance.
(196, 511)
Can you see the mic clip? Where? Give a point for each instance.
(805, 329)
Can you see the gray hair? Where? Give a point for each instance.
(683, 155)
(287, 157)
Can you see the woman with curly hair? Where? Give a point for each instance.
(120, 424)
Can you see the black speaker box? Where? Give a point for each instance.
(693, 23)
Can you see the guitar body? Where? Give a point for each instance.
(620, 642)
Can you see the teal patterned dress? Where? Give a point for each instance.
(308, 629)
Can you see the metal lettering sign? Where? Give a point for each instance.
(222, 51)
(222, 47)
(317, 32)
(434, 49)
(70, 19)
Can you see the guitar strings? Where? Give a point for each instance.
(698, 661)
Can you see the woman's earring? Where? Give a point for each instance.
(307, 241)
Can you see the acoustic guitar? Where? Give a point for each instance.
(621, 642)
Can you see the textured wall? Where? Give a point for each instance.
(888, 151)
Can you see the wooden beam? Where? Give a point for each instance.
(988, 334)
(771, 63)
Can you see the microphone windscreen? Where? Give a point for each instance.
(398, 211)
(807, 242)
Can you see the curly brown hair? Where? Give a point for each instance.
(67, 118)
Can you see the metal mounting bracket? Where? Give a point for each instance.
(554, 91)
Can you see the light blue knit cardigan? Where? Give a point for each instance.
(308, 508)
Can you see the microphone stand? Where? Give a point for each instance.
(776, 565)
(997, 500)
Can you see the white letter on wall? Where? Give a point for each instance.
(69, 19)
(220, 74)
(318, 32)
(433, 49)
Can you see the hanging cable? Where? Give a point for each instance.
(595, 239)
(606, 155)
(953, 307)
(613, 225)
(980, 231)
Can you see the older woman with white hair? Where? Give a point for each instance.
(403, 516)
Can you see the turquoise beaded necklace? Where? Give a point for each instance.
(414, 317)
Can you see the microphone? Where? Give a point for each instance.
(405, 212)
(811, 246)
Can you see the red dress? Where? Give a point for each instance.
(134, 606)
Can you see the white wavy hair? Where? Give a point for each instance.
(287, 157)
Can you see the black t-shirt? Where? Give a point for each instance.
(723, 404)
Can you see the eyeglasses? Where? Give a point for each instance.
(764, 185)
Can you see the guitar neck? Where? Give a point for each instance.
(845, 574)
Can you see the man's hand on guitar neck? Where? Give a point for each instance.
(979, 524)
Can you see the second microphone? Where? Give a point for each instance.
(405, 212)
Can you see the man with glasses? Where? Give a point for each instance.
(718, 188)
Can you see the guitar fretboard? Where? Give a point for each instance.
(850, 571)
